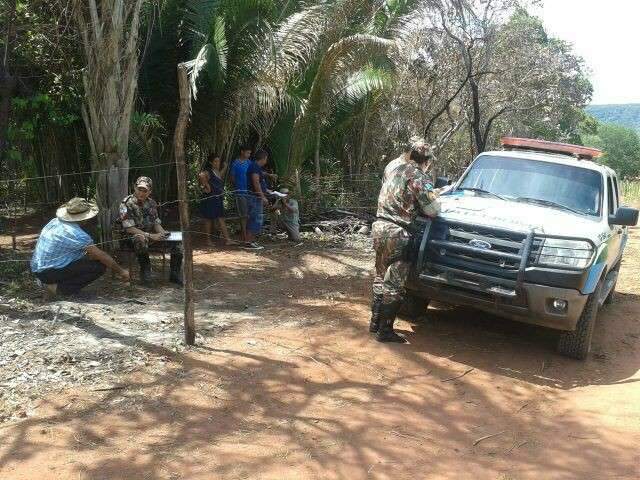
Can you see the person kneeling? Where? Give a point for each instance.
(141, 227)
(66, 259)
(287, 215)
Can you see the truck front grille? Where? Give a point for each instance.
(479, 249)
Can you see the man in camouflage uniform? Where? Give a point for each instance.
(406, 193)
(141, 226)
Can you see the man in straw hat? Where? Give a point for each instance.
(406, 193)
(142, 226)
(66, 259)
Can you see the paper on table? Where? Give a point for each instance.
(174, 237)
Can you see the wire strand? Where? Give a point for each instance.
(87, 172)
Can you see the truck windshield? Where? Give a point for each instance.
(568, 187)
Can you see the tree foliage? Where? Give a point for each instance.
(621, 147)
(328, 86)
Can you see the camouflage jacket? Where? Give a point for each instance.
(133, 214)
(406, 193)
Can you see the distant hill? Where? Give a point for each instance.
(627, 115)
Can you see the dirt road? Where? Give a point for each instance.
(292, 386)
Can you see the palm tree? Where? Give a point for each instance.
(274, 70)
(352, 72)
(244, 55)
(109, 32)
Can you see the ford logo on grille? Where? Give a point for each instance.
(475, 242)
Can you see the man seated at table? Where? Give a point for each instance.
(66, 259)
(287, 215)
(141, 226)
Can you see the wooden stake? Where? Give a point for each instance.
(178, 142)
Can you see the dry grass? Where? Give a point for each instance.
(631, 192)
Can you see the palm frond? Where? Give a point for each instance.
(344, 57)
(284, 51)
(197, 21)
(363, 83)
(394, 17)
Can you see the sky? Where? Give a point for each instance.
(606, 33)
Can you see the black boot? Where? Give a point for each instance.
(145, 268)
(388, 312)
(175, 274)
(374, 324)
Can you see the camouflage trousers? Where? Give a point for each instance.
(392, 270)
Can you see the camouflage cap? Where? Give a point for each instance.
(420, 146)
(418, 143)
(144, 182)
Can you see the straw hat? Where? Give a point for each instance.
(76, 210)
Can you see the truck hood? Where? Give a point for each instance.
(467, 207)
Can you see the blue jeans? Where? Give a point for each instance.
(256, 216)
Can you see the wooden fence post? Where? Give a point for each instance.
(178, 142)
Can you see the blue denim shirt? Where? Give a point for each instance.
(59, 244)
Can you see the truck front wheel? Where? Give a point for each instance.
(414, 306)
(577, 344)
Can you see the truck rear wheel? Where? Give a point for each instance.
(577, 344)
(414, 306)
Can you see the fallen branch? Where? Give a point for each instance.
(486, 437)
(404, 435)
(582, 438)
(313, 359)
(458, 376)
(345, 212)
(107, 389)
(135, 300)
(207, 287)
(517, 445)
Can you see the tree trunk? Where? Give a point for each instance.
(316, 157)
(109, 36)
(476, 117)
(363, 139)
(178, 141)
(111, 188)
(298, 184)
(7, 85)
(7, 82)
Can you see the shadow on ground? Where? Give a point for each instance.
(305, 393)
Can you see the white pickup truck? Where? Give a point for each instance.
(534, 233)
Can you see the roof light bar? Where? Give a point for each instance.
(552, 147)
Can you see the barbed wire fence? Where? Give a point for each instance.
(355, 194)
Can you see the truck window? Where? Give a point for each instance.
(617, 191)
(577, 188)
(611, 196)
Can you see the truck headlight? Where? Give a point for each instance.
(561, 253)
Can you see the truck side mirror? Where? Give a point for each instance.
(442, 182)
(625, 216)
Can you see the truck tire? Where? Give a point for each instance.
(414, 306)
(577, 344)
